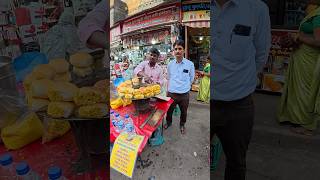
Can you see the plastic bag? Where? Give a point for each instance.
(11, 107)
(62, 38)
(176, 111)
(11, 103)
(215, 153)
(157, 138)
(53, 129)
(24, 64)
(27, 129)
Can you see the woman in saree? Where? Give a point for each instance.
(300, 101)
(204, 89)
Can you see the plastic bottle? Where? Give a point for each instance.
(55, 173)
(7, 168)
(112, 116)
(25, 173)
(128, 124)
(119, 123)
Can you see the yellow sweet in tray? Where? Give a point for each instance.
(81, 59)
(128, 96)
(89, 95)
(62, 91)
(130, 90)
(63, 77)
(93, 111)
(60, 109)
(40, 88)
(59, 65)
(156, 87)
(139, 96)
(43, 71)
(137, 92)
(121, 94)
(128, 83)
(122, 90)
(157, 92)
(126, 101)
(116, 103)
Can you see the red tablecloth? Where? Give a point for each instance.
(147, 130)
(59, 152)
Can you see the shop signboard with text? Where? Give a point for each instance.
(162, 16)
(196, 12)
(136, 6)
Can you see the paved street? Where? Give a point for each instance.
(275, 152)
(181, 157)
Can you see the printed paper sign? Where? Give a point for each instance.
(124, 153)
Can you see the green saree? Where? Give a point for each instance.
(300, 101)
(204, 88)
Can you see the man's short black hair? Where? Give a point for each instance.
(154, 50)
(179, 43)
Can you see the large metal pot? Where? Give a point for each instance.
(7, 76)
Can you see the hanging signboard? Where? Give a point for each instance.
(162, 16)
(196, 12)
(136, 6)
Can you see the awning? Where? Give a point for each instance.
(198, 24)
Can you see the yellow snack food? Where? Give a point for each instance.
(128, 83)
(139, 96)
(122, 90)
(115, 104)
(62, 91)
(128, 96)
(60, 109)
(156, 87)
(43, 71)
(89, 95)
(22, 132)
(40, 88)
(54, 128)
(59, 65)
(157, 92)
(37, 104)
(81, 59)
(137, 92)
(66, 77)
(93, 111)
(126, 101)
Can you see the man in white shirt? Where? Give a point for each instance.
(241, 38)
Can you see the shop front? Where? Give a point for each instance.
(285, 19)
(152, 28)
(196, 19)
(116, 43)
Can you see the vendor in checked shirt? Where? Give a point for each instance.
(150, 70)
